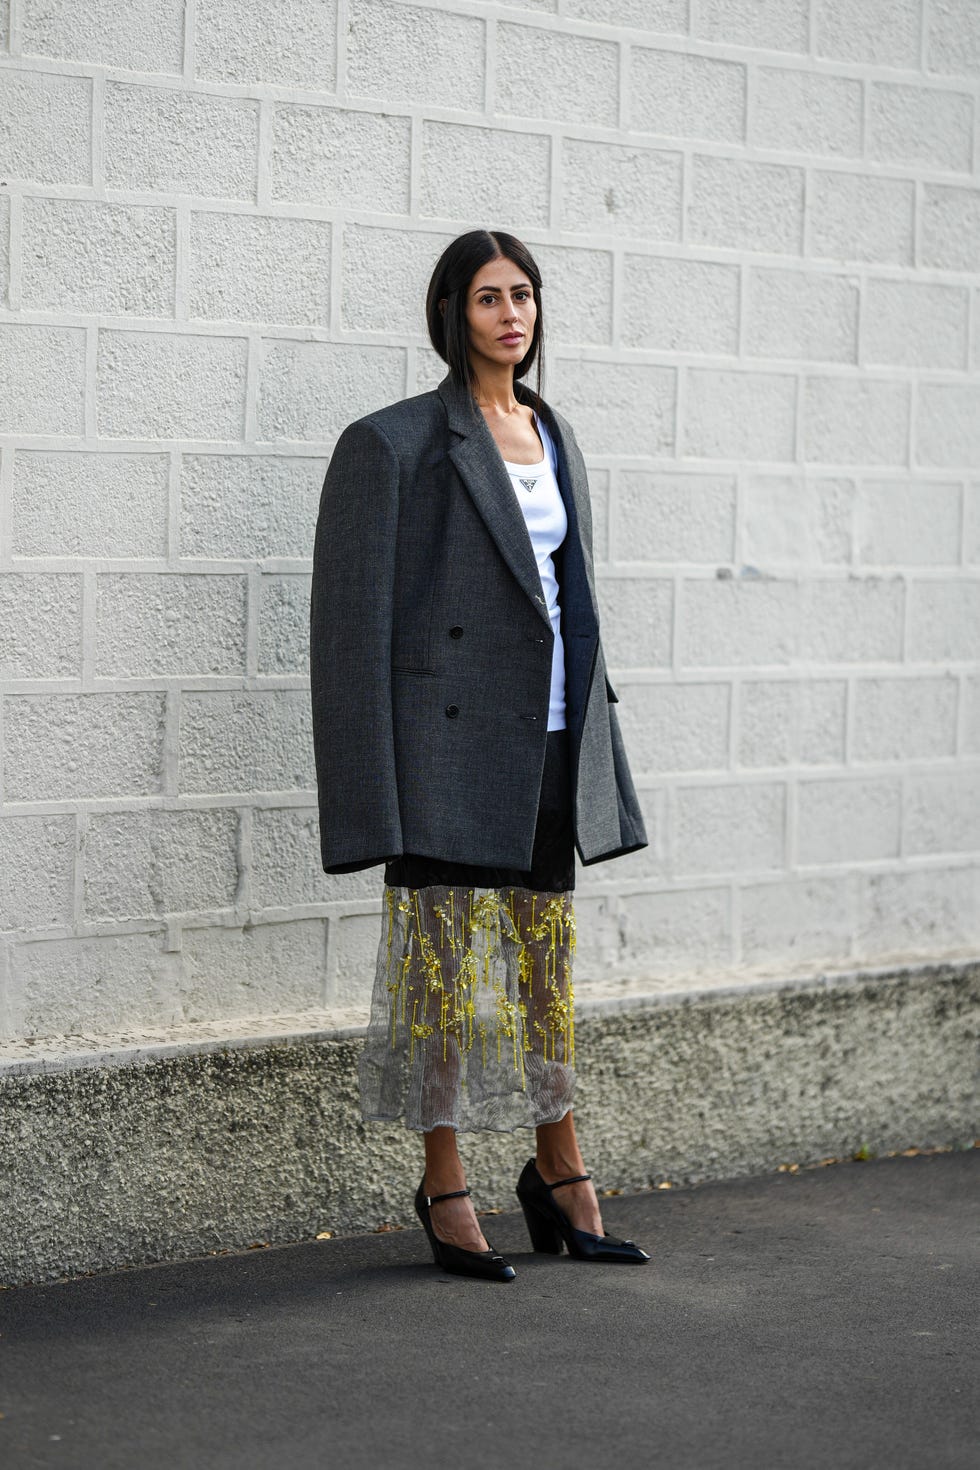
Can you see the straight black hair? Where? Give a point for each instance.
(454, 270)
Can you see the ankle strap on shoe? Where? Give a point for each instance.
(575, 1179)
(433, 1199)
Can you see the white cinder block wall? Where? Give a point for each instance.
(760, 226)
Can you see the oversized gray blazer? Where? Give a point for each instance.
(431, 649)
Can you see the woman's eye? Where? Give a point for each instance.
(486, 300)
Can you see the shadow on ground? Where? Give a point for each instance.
(824, 1319)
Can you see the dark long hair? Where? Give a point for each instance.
(455, 269)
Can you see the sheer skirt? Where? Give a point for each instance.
(472, 1015)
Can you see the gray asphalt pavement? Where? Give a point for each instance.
(823, 1319)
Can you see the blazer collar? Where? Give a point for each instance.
(478, 460)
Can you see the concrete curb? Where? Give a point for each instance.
(173, 1151)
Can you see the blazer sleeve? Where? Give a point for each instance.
(350, 652)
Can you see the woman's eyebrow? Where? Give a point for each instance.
(519, 286)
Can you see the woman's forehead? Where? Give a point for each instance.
(499, 275)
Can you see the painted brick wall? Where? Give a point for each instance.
(760, 226)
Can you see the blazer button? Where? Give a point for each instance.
(452, 711)
(456, 632)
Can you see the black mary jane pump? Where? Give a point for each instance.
(488, 1265)
(548, 1225)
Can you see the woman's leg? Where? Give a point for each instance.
(558, 1157)
(453, 1220)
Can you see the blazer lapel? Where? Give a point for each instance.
(574, 489)
(478, 460)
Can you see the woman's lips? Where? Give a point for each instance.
(513, 337)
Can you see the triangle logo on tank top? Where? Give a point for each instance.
(528, 484)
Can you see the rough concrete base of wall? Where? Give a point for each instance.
(204, 1150)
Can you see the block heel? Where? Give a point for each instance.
(545, 1235)
(549, 1226)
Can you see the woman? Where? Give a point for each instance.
(465, 737)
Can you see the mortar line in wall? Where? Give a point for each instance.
(243, 863)
(677, 602)
(680, 408)
(253, 594)
(749, 101)
(964, 531)
(738, 516)
(7, 453)
(734, 722)
(805, 248)
(190, 40)
(504, 122)
(917, 190)
(959, 746)
(490, 64)
(415, 131)
(861, 324)
(850, 718)
(972, 324)
(6, 1017)
(88, 630)
(4, 804)
(911, 444)
(340, 73)
(90, 386)
(252, 359)
(864, 122)
(742, 308)
(669, 823)
(625, 99)
(597, 239)
(618, 287)
(80, 830)
(338, 246)
(182, 261)
(263, 171)
(636, 677)
(851, 900)
(735, 920)
(331, 938)
(614, 33)
(685, 190)
(903, 807)
(556, 183)
(612, 514)
(15, 41)
(15, 240)
(97, 163)
(791, 822)
(172, 530)
(169, 775)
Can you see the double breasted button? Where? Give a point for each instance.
(452, 711)
(456, 632)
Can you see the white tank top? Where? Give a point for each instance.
(536, 488)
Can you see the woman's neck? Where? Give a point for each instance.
(494, 391)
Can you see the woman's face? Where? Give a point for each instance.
(500, 313)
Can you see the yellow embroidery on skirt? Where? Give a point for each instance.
(446, 976)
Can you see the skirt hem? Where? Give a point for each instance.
(473, 1128)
